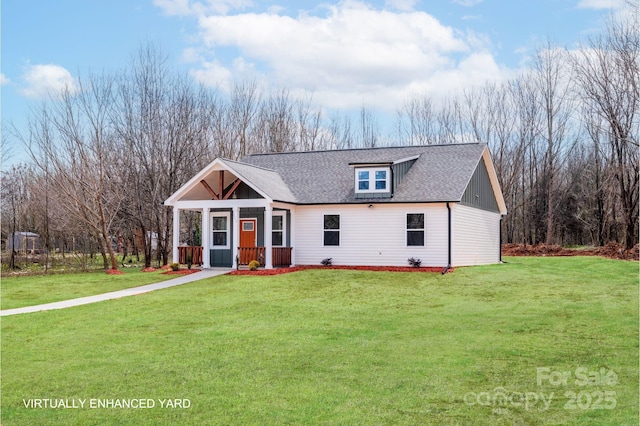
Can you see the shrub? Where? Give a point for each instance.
(326, 262)
(414, 262)
(253, 265)
(174, 266)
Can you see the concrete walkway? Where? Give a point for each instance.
(205, 273)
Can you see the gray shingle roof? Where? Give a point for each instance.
(269, 181)
(441, 173)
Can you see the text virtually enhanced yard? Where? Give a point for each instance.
(535, 341)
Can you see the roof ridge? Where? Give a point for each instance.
(363, 149)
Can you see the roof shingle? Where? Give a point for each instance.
(441, 173)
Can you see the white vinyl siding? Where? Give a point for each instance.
(476, 236)
(374, 235)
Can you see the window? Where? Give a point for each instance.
(220, 227)
(381, 180)
(415, 229)
(331, 229)
(277, 230)
(247, 226)
(372, 180)
(363, 180)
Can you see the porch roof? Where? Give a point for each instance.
(267, 183)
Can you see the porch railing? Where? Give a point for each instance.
(280, 256)
(247, 254)
(194, 251)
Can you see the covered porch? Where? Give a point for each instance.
(240, 219)
(281, 255)
(235, 232)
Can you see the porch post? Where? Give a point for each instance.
(206, 235)
(292, 239)
(268, 225)
(235, 225)
(176, 233)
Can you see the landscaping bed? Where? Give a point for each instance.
(279, 271)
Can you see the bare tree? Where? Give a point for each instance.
(416, 121)
(72, 144)
(609, 77)
(245, 99)
(369, 133)
(551, 78)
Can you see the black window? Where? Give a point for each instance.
(415, 229)
(331, 229)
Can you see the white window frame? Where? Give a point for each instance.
(227, 231)
(372, 179)
(339, 230)
(284, 227)
(423, 229)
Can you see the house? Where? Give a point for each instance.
(374, 206)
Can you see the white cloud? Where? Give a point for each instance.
(345, 54)
(4, 80)
(601, 4)
(44, 80)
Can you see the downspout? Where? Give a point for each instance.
(446, 269)
(500, 246)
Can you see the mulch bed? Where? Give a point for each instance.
(114, 272)
(149, 269)
(181, 272)
(279, 271)
(611, 250)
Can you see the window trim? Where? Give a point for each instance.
(283, 230)
(325, 230)
(423, 229)
(227, 231)
(372, 179)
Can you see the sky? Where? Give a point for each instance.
(345, 54)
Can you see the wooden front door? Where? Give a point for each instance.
(248, 234)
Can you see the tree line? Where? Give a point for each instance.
(107, 153)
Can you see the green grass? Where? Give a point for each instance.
(17, 292)
(338, 347)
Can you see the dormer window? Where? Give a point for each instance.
(373, 180)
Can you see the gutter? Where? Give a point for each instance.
(446, 269)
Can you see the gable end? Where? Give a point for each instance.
(479, 192)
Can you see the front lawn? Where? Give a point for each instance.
(29, 290)
(483, 345)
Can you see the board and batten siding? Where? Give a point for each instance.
(370, 235)
(476, 236)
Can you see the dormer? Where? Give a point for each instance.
(373, 181)
(380, 179)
